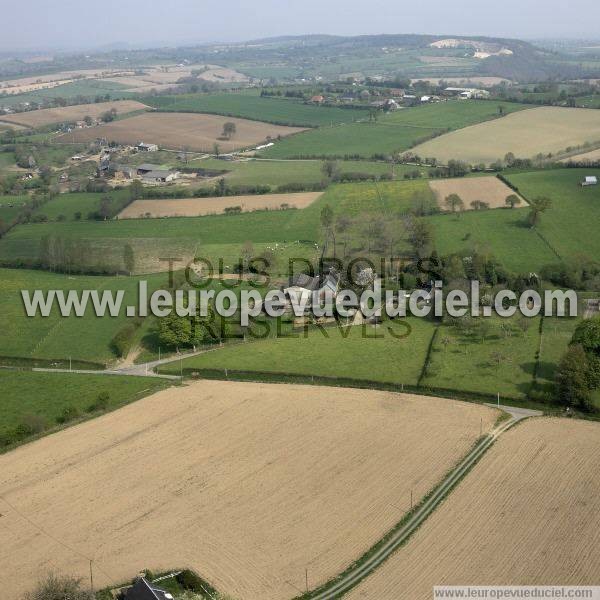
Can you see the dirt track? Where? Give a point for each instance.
(195, 207)
(247, 483)
(177, 130)
(528, 514)
(46, 116)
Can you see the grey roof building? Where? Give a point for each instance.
(142, 589)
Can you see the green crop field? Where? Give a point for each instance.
(387, 199)
(360, 355)
(43, 397)
(501, 362)
(53, 337)
(393, 132)
(83, 202)
(571, 224)
(281, 111)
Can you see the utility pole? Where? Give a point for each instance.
(91, 577)
(306, 574)
(411, 499)
(70, 365)
(498, 399)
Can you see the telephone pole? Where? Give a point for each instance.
(91, 577)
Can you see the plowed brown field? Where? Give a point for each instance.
(249, 484)
(177, 130)
(195, 207)
(528, 514)
(488, 189)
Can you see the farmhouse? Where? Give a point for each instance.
(142, 147)
(317, 99)
(159, 176)
(590, 180)
(304, 286)
(466, 93)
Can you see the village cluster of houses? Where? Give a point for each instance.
(397, 97)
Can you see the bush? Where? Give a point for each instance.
(101, 402)
(122, 340)
(69, 413)
(59, 587)
(190, 581)
(31, 424)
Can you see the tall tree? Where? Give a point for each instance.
(573, 378)
(129, 259)
(327, 225)
(454, 202)
(229, 129)
(538, 206)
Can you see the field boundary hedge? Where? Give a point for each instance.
(299, 378)
(58, 363)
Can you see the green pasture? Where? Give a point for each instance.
(10, 206)
(42, 398)
(54, 337)
(571, 224)
(281, 172)
(501, 232)
(502, 361)
(67, 205)
(370, 353)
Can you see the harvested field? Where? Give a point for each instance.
(593, 156)
(528, 514)
(161, 78)
(176, 479)
(197, 207)
(525, 133)
(198, 132)
(487, 189)
(463, 81)
(34, 87)
(47, 116)
(60, 76)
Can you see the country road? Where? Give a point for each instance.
(364, 568)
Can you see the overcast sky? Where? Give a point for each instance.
(91, 23)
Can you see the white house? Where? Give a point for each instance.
(590, 180)
(147, 147)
